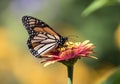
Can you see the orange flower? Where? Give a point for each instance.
(72, 51)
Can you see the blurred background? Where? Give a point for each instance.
(94, 20)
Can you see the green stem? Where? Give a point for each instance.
(70, 66)
(70, 74)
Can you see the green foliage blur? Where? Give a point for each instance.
(94, 20)
(114, 78)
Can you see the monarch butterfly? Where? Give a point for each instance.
(42, 38)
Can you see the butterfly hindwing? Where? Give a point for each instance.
(40, 44)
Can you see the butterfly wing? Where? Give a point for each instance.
(42, 38)
(41, 44)
(34, 25)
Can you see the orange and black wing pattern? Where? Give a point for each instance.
(42, 38)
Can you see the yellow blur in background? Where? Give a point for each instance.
(18, 66)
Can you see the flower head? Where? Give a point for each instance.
(72, 51)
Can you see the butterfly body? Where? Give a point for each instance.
(42, 38)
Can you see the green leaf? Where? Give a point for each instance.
(97, 4)
(114, 78)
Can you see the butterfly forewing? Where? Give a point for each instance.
(42, 38)
(34, 25)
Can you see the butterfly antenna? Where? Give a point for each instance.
(73, 37)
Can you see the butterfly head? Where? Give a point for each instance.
(62, 41)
